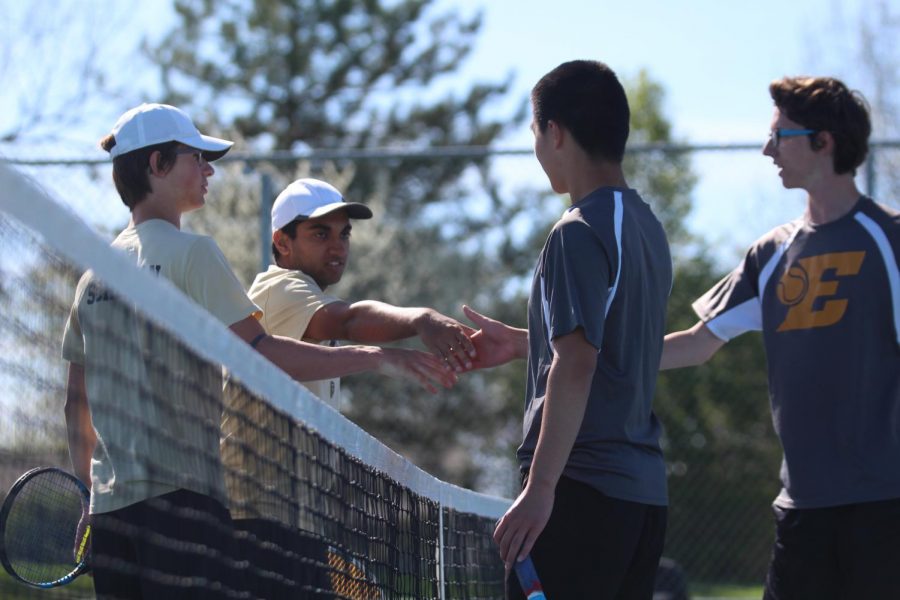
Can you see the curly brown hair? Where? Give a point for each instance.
(827, 104)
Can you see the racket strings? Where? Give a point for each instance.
(41, 526)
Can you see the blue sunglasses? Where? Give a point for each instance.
(780, 132)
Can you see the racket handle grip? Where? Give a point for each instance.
(528, 579)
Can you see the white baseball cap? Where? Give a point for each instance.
(150, 124)
(310, 198)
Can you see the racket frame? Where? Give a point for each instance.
(80, 568)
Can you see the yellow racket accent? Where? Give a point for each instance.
(83, 545)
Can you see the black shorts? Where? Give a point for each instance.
(178, 545)
(836, 553)
(283, 562)
(596, 547)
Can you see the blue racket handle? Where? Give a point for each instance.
(529, 581)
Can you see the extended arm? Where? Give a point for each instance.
(372, 322)
(79, 428)
(309, 362)
(568, 387)
(690, 347)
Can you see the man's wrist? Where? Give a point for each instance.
(380, 360)
(541, 483)
(423, 316)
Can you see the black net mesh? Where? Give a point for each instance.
(233, 494)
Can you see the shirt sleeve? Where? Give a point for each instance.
(291, 304)
(575, 279)
(73, 340)
(732, 306)
(211, 283)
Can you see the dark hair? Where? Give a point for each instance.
(289, 230)
(826, 104)
(586, 98)
(131, 170)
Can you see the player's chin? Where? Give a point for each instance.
(558, 187)
(787, 181)
(333, 275)
(197, 203)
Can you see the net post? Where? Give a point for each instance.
(441, 591)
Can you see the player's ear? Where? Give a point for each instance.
(822, 140)
(281, 242)
(155, 163)
(556, 132)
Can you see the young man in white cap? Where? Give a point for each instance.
(311, 245)
(138, 411)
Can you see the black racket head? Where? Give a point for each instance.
(38, 524)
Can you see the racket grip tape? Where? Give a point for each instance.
(528, 579)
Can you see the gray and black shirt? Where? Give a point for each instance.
(827, 299)
(605, 268)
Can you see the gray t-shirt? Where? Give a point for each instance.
(605, 268)
(827, 299)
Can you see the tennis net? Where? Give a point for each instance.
(318, 508)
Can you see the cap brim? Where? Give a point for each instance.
(355, 210)
(213, 148)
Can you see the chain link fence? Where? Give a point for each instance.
(723, 457)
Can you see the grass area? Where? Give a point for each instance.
(80, 589)
(716, 590)
(83, 589)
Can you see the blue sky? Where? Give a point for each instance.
(714, 58)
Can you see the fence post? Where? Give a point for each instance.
(870, 172)
(265, 221)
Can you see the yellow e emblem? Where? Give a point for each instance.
(802, 285)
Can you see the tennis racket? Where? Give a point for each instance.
(38, 525)
(529, 581)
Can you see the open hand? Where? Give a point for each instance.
(448, 339)
(496, 343)
(414, 365)
(518, 529)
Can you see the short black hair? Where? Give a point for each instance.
(827, 104)
(586, 98)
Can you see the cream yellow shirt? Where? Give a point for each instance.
(289, 299)
(156, 406)
(263, 460)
